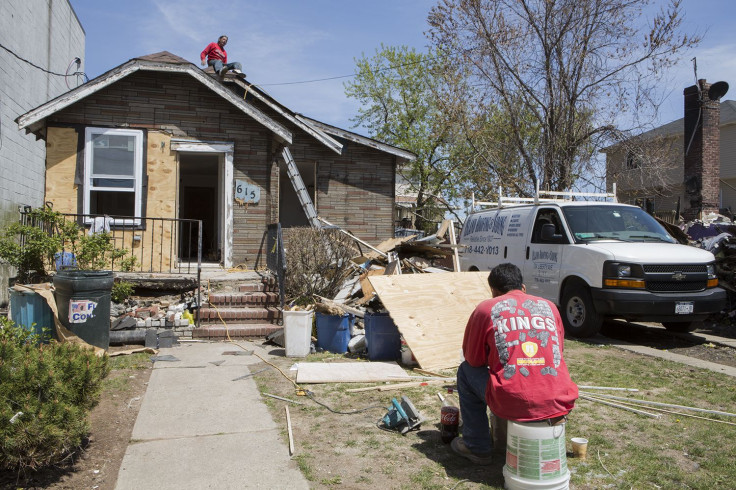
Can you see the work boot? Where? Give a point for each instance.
(458, 446)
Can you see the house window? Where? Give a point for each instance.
(113, 163)
(632, 161)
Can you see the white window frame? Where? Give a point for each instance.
(89, 134)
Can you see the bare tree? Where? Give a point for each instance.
(574, 67)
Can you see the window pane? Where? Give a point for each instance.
(113, 155)
(112, 203)
(122, 183)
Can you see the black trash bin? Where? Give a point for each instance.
(83, 301)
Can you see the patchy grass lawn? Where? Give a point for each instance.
(626, 450)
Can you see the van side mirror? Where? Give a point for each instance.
(548, 233)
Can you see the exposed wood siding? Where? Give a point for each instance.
(61, 163)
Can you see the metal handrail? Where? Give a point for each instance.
(276, 257)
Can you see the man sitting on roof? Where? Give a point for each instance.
(217, 58)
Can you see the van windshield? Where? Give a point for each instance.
(620, 223)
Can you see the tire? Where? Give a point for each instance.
(578, 314)
(680, 327)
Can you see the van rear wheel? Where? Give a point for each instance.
(579, 316)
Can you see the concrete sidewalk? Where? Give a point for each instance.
(197, 428)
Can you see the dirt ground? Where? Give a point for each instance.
(112, 423)
(359, 455)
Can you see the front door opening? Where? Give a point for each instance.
(199, 198)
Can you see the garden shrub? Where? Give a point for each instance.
(31, 246)
(46, 393)
(121, 290)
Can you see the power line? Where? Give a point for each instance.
(39, 67)
(393, 67)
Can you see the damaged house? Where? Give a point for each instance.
(688, 165)
(157, 138)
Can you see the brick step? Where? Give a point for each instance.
(244, 299)
(240, 315)
(257, 287)
(235, 331)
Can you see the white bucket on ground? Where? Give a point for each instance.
(536, 457)
(298, 332)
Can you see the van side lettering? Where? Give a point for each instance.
(548, 255)
(479, 224)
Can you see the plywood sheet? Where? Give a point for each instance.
(431, 311)
(350, 372)
(61, 164)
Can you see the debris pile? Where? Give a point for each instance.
(169, 316)
(356, 298)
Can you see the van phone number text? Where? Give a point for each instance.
(480, 249)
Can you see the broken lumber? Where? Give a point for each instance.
(282, 398)
(668, 405)
(612, 388)
(681, 414)
(623, 407)
(346, 308)
(288, 428)
(353, 237)
(396, 386)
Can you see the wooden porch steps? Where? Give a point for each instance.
(244, 299)
(235, 331)
(244, 310)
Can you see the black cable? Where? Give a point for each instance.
(433, 58)
(360, 410)
(39, 67)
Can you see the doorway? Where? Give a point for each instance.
(200, 198)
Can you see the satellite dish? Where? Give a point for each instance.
(717, 90)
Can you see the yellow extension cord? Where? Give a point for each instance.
(299, 389)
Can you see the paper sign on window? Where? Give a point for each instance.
(245, 192)
(81, 310)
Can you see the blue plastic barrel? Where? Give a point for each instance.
(30, 311)
(382, 337)
(333, 332)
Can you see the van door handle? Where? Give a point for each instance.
(527, 253)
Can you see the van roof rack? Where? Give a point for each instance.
(543, 197)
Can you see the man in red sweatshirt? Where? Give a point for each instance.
(513, 365)
(216, 57)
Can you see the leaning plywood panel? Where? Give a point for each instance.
(431, 311)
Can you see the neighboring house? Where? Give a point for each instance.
(47, 34)
(158, 137)
(653, 167)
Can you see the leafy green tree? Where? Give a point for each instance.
(407, 102)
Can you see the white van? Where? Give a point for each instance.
(595, 259)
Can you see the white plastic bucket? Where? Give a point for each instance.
(298, 332)
(536, 457)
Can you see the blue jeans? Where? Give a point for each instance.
(471, 388)
(217, 65)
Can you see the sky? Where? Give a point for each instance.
(280, 42)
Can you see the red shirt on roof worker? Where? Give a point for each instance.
(513, 365)
(216, 57)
